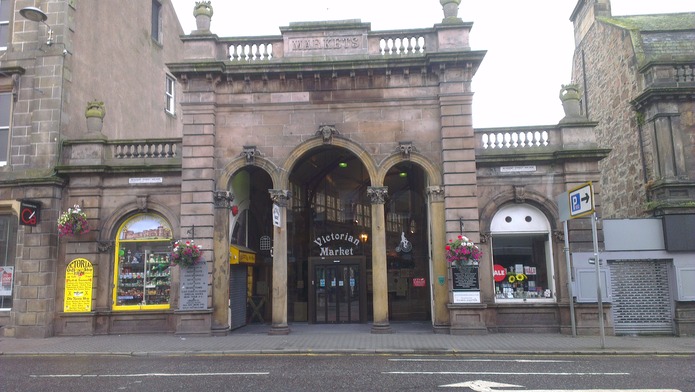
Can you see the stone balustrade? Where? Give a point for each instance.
(140, 149)
(492, 139)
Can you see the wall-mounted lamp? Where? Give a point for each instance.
(36, 15)
(364, 237)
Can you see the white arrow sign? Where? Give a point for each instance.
(487, 386)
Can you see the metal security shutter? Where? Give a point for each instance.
(237, 295)
(641, 297)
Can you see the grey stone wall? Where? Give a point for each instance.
(609, 82)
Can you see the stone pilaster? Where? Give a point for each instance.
(279, 326)
(220, 266)
(380, 299)
(439, 265)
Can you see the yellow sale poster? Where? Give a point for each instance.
(79, 275)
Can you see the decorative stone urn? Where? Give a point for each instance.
(202, 11)
(570, 96)
(95, 116)
(451, 9)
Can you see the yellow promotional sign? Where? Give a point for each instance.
(79, 275)
(241, 255)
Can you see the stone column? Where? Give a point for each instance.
(439, 265)
(380, 292)
(279, 327)
(220, 265)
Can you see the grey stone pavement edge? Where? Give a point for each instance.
(407, 338)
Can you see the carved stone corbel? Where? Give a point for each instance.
(436, 193)
(141, 202)
(250, 152)
(377, 194)
(222, 199)
(280, 196)
(405, 148)
(519, 194)
(327, 132)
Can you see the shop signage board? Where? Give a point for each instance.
(29, 212)
(276, 216)
(194, 287)
(466, 285)
(79, 277)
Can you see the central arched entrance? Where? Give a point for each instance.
(329, 240)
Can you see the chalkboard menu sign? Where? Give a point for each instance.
(465, 277)
(194, 287)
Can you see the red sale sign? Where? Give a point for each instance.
(499, 273)
(419, 282)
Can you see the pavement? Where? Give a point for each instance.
(406, 338)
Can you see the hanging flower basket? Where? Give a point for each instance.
(186, 254)
(462, 252)
(73, 222)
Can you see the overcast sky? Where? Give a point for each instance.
(529, 43)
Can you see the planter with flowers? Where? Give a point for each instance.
(73, 222)
(186, 254)
(462, 252)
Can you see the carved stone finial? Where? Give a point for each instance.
(280, 196)
(451, 10)
(202, 11)
(570, 95)
(95, 113)
(327, 132)
(377, 194)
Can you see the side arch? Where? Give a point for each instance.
(240, 163)
(434, 175)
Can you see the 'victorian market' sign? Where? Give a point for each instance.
(337, 244)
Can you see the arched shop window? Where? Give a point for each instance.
(522, 255)
(142, 277)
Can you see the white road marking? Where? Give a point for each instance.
(151, 375)
(490, 386)
(517, 373)
(478, 360)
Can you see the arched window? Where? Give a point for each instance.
(522, 254)
(142, 279)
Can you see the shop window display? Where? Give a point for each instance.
(142, 277)
(521, 267)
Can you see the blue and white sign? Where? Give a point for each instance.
(581, 201)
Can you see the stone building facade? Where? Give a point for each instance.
(322, 172)
(636, 73)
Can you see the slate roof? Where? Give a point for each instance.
(659, 37)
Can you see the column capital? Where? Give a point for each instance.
(280, 196)
(222, 199)
(377, 194)
(436, 193)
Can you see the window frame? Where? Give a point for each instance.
(9, 256)
(6, 128)
(156, 22)
(5, 21)
(170, 95)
